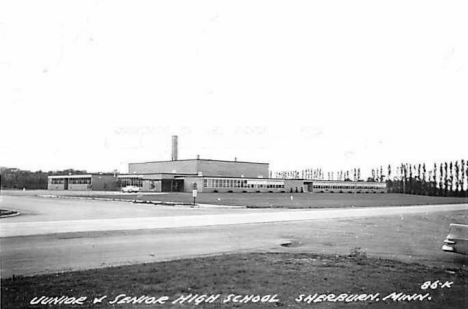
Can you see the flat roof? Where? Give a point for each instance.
(71, 176)
(142, 175)
(79, 176)
(165, 173)
(211, 160)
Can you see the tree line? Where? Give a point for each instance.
(440, 179)
(14, 178)
(319, 174)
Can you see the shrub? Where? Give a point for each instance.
(358, 253)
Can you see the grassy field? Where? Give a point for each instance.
(299, 200)
(263, 200)
(288, 276)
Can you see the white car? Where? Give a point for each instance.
(130, 189)
(457, 239)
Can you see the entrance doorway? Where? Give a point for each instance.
(172, 185)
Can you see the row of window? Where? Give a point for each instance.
(79, 181)
(73, 181)
(57, 181)
(131, 181)
(241, 183)
(346, 187)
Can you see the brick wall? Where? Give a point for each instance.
(180, 167)
(233, 169)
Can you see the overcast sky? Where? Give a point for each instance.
(334, 84)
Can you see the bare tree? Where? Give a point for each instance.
(405, 182)
(451, 178)
(423, 180)
(441, 177)
(446, 178)
(462, 178)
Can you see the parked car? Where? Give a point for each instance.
(457, 239)
(130, 189)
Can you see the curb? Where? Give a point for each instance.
(86, 198)
(136, 201)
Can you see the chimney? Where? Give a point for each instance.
(174, 148)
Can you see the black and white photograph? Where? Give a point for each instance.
(233, 154)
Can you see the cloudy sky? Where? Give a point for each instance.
(333, 84)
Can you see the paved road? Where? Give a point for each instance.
(64, 252)
(38, 209)
(10, 229)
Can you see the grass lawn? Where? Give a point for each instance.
(300, 200)
(287, 275)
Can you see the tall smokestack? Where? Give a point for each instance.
(174, 148)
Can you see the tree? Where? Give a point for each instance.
(466, 164)
(441, 179)
(446, 178)
(462, 178)
(405, 177)
(451, 179)
(423, 180)
(410, 178)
